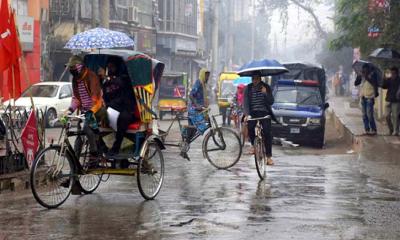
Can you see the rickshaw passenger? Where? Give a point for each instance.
(118, 95)
(87, 98)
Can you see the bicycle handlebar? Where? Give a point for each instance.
(261, 118)
(68, 117)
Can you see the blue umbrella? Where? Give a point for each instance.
(242, 80)
(266, 67)
(99, 38)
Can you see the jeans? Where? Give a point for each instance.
(392, 116)
(367, 105)
(267, 135)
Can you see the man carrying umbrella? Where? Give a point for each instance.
(258, 100)
(87, 98)
(369, 91)
(392, 84)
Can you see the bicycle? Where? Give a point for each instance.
(221, 146)
(57, 168)
(259, 149)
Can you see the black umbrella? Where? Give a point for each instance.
(357, 66)
(385, 53)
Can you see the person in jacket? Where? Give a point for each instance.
(392, 84)
(87, 98)
(258, 100)
(368, 82)
(118, 95)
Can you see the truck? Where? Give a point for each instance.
(300, 104)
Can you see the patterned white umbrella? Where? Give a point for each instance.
(99, 38)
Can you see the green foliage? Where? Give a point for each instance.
(353, 19)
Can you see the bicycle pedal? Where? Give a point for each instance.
(185, 156)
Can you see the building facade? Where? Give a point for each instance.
(133, 17)
(177, 36)
(31, 21)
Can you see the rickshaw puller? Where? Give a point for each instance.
(198, 101)
(87, 98)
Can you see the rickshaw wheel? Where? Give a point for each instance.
(52, 177)
(88, 182)
(150, 172)
(222, 147)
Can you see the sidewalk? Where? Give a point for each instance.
(348, 120)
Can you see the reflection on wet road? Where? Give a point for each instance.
(304, 197)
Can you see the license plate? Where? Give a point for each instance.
(294, 130)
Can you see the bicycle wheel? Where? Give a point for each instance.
(150, 172)
(88, 182)
(52, 177)
(222, 147)
(259, 156)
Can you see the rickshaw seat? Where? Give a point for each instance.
(178, 109)
(134, 126)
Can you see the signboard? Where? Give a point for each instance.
(25, 29)
(188, 9)
(186, 45)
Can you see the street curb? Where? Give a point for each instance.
(348, 136)
(14, 182)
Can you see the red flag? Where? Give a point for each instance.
(14, 80)
(5, 36)
(30, 138)
(16, 48)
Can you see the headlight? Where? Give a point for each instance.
(315, 121)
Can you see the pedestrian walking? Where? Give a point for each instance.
(392, 84)
(368, 82)
(337, 84)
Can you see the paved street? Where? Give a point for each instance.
(309, 194)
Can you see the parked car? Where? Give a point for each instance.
(300, 105)
(52, 98)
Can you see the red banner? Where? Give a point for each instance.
(30, 139)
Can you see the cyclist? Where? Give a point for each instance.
(87, 98)
(198, 100)
(258, 100)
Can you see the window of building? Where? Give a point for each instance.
(122, 7)
(20, 7)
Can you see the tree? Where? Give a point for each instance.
(306, 5)
(352, 20)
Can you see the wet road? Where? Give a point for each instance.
(309, 194)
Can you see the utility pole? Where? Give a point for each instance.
(105, 13)
(253, 28)
(231, 6)
(76, 16)
(215, 31)
(95, 13)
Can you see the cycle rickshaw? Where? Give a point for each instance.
(61, 166)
